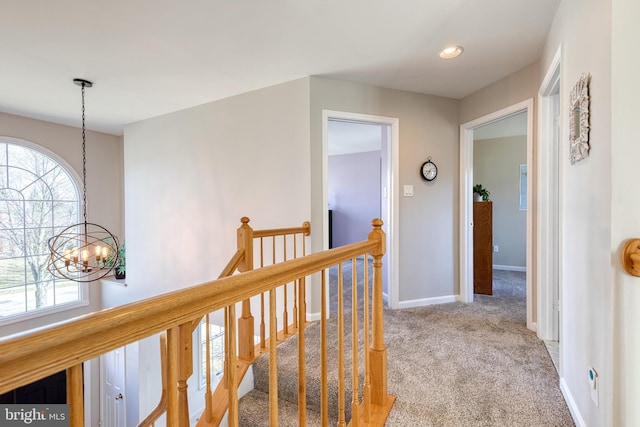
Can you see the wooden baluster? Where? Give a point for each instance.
(302, 378)
(378, 350)
(273, 361)
(208, 396)
(354, 343)
(227, 367)
(285, 314)
(185, 361)
(173, 340)
(233, 372)
(367, 373)
(273, 261)
(262, 324)
(295, 288)
(341, 382)
(246, 322)
(75, 396)
(324, 393)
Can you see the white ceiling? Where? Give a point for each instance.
(148, 58)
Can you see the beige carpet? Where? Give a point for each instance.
(449, 365)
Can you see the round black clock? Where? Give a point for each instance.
(429, 170)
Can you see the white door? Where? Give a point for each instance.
(112, 408)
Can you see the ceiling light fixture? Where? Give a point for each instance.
(83, 252)
(451, 52)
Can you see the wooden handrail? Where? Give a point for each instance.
(28, 357)
(305, 230)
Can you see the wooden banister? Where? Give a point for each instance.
(27, 357)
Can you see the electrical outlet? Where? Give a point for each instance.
(496, 248)
(593, 385)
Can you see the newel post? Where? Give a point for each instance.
(245, 322)
(378, 350)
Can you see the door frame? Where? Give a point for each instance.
(392, 204)
(466, 201)
(549, 196)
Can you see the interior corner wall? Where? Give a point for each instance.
(189, 178)
(429, 126)
(496, 165)
(625, 211)
(583, 29)
(515, 88)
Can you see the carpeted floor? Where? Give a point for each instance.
(448, 365)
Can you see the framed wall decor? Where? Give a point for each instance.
(579, 120)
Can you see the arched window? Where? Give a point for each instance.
(38, 198)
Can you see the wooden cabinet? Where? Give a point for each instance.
(483, 248)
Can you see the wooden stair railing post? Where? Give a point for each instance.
(367, 370)
(75, 396)
(246, 345)
(354, 344)
(173, 340)
(378, 350)
(185, 369)
(233, 372)
(302, 374)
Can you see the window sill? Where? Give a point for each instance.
(113, 281)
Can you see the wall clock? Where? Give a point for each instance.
(429, 170)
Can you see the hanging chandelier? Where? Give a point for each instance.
(83, 252)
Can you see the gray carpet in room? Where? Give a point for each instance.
(448, 365)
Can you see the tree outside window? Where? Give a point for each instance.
(38, 199)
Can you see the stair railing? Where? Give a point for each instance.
(283, 244)
(33, 355)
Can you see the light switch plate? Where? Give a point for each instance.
(408, 191)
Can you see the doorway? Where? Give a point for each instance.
(466, 200)
(387, 181)
(548, 218)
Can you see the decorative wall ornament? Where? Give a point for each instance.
(579, 120)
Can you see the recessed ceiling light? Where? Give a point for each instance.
(451, 52)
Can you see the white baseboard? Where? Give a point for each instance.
(313, 317)
(422, 302)
(571, 403)
(509, 267)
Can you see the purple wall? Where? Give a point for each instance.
(354, 195)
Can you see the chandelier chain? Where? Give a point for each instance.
(84, 161)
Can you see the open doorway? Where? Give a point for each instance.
(466, 200)
(548, 215)
(342, 129)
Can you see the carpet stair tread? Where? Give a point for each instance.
(254, 412)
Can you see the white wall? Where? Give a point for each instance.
(190, 177)
(625, 211)
(428, 221)
(583, 29)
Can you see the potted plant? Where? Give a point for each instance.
(121, 268)
(480, 193)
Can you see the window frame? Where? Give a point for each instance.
(83, 288)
